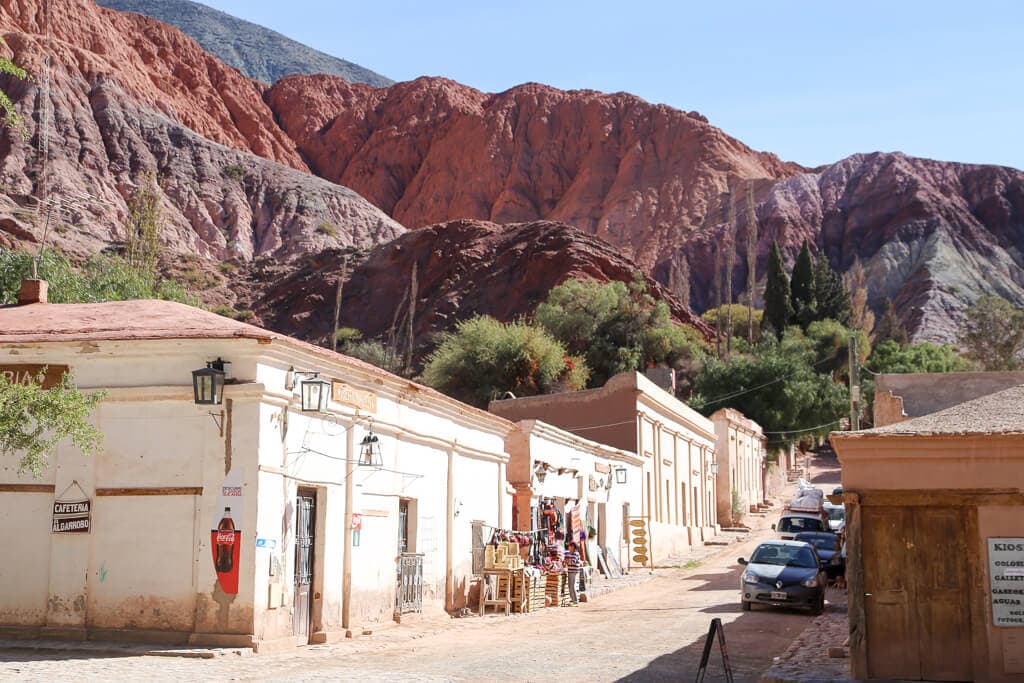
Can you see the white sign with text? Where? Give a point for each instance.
(1006, 580)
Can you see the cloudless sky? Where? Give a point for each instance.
(812, 81)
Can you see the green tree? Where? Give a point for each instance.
(142, 246)
(9, 116)
(33, 420)
(102, 278)
(803, 292)
(372, 351)
(861, 316)
(777, 386)
(831, 343)
(993, 334)
(483, 358)
(830, 294)
(890, 327)
(742, 318)
(890, 357)
(615, 327)
(777, 307)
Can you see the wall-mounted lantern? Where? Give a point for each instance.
(541, 472)
(714, 468)
(369, 451)
(620, 475)
(314, 392)
(208, 383)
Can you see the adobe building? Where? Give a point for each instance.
(247, 520)
(740, 450)
(674, 442)
(550, 465)
(901, 396)
(935, 554)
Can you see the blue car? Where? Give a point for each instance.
(784, 574)
(829, 551)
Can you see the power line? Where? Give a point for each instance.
(808, 429)
(769, 383)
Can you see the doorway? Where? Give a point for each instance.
(305, 539)
(916, 577)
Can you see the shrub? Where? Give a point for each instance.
(233, 171)
(327, 229)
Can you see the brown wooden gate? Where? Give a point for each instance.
(917, 588)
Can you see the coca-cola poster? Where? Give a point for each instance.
(226, 531)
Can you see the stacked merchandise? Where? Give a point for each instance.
(528, 591)
(558, 590)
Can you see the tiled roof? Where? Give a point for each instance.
(998, 413)
(118, 320)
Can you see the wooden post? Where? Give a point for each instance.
(855, 586)
(751, 259)
(337, 303)
(412, 317)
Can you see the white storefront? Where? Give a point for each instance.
(168, 467)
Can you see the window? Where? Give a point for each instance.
(784, 555)
(791, 525)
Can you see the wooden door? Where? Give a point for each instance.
(888, 571)
(916, 603)
(942, 594)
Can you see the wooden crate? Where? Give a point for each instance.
(557, 588)
(528, 594)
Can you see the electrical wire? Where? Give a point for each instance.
(612, 424)
(808, 429)
(769, 383)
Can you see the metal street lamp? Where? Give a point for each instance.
(369, 451)
(208, 383)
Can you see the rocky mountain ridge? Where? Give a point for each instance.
(258, 52)
(662, 186)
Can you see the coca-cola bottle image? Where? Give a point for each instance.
(224, 556)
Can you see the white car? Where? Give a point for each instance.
(836, 516)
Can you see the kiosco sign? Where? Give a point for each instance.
(1006, 580)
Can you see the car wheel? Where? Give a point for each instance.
(746, 605)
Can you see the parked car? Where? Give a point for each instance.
(784, 574)
(792, 523)
(836, 516)
(828, 547)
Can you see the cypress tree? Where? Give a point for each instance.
(777, 307)
(830, 293)
(801, 285)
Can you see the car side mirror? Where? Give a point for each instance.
(773, 527)
(742, 561)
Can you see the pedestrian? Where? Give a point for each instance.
(573, 564)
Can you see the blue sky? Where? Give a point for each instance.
(812, 81)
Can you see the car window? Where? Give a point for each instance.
(824, 542)
(785, 555)
(836, 514)
(798, 524)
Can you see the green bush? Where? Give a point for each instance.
(327, 229)
(483, 358)
(244, 315)
(234, 171)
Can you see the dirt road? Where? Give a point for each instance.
(650, 632)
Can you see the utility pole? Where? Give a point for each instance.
(854, 385)
(337, 302)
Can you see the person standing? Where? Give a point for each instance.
(573, 564)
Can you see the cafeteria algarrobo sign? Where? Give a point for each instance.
(71, 515)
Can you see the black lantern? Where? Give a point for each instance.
(369, 451)
(541, 471)
(208, 383)
(315, 392)
(620, 475)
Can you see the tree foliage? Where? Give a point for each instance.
(483, 358)
(33, 420)
(861, 315)
(890, 327)
(142, 246)
(9, 116)
(778, 309)
(103, 278)
(830, 294)
(777, 386)
(741, 316)
(802, 289)
(993, 334)
(372, 351)
(615, 327)
(890, 357)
